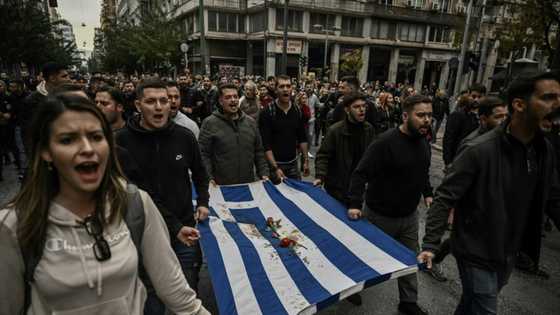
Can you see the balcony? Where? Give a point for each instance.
(399, 9)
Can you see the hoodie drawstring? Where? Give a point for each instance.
(91, 285)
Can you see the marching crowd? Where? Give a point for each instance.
(106, 167)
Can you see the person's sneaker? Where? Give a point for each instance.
(436, 272)
(410, 308)
(355, 299)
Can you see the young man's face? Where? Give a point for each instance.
(229, 101)
(154, 107)
(419, 119)
(174, 100)
(59, 78)
(357, 110)
(108, 106)
(15, 88)
(345, 88)
(207, 83)
(128, 87)
(544, 104)
(250, 91)
(499, 114)
(284, 90)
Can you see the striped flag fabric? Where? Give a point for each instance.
(333, 259)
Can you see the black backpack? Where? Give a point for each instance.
(134, 219)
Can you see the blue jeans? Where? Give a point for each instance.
(480, 289)
(190, 258)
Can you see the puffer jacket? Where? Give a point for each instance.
(232, 149)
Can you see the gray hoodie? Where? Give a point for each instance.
(69, 280)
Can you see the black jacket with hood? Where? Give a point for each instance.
(477, 187)
(165, 157)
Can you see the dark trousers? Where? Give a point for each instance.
(190, 258)
(404, 230)
(480, 289)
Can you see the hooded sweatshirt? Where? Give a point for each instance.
(165, 156)
(69, 279)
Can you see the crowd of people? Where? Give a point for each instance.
(106, 167)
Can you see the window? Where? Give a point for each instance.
(439, 34)
(189, 24)
(411, 32)
(225, 22)
(327, 20)
(383, 29)
(295, 19)
(258, 22)
(352, 26)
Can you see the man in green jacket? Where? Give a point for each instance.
(343, 147)
(230, 143)
(340, 152)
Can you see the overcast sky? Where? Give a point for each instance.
(78, 12)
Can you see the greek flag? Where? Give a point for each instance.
(334, 257)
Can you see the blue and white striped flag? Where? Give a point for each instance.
(252, 274)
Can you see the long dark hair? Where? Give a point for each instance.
(42, 185)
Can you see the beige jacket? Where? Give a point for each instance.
(69, 280)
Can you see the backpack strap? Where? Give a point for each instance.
(134, 216)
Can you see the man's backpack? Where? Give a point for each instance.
(134, 218)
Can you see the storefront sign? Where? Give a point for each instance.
(293, 47)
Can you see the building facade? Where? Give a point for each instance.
(400, 41)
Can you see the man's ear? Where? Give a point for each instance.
(519, 105)
(404, 116)
(137, 104)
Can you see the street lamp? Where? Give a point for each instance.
(327, 31)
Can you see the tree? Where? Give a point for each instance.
(151, 45)
(351, 62)
(28, 37)
(534, 22)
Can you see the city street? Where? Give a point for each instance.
(523, 295)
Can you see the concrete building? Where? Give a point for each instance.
(400, 41)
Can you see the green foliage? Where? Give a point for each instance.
(533, 23)
(27, 36)
(150, 45)
(352, 62)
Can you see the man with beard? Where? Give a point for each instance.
(340, 152)
(230, 143)
(191, 102)
(492, 112)
(500, 185)
(129, 98)
(175, 103)
(209, 95)
(111, 103)
(396, 169)
(282, 129)
(461, 123)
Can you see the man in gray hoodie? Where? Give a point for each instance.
(230, 142)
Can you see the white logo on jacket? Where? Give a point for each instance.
(58, 244)
(178, 157)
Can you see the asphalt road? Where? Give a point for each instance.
(523, 295)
